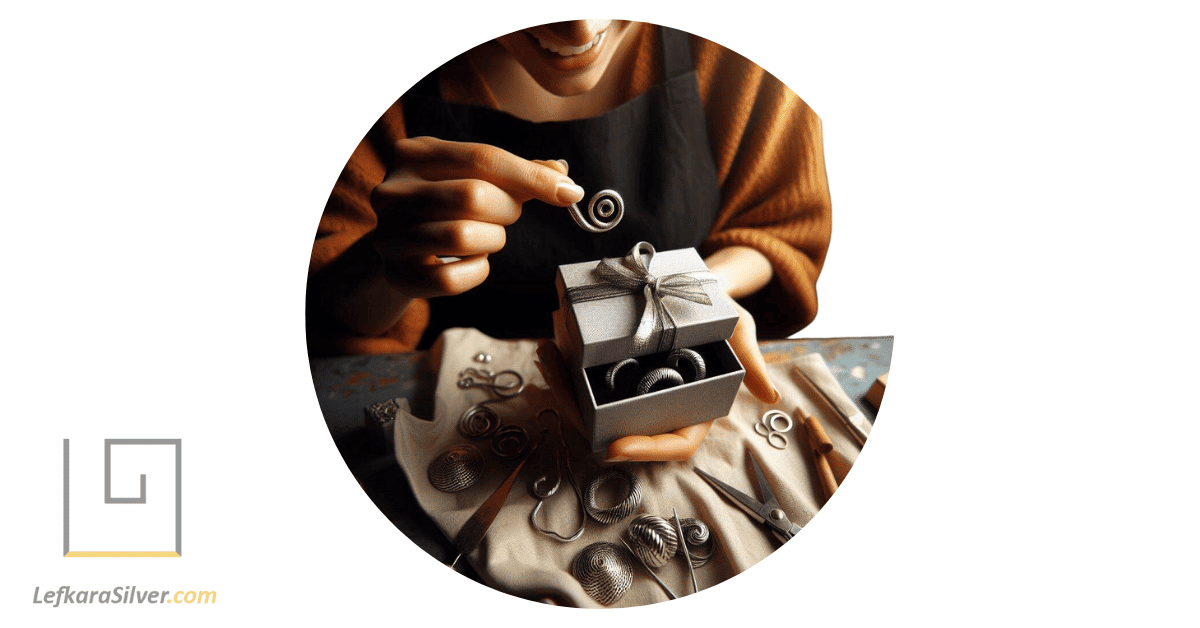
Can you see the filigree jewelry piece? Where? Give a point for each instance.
(472, 377)
(510, 442)
(610, 377)
(479, 421)
(621, 510)
(456, 469)
(604, 211)
(657, 376)
(774, 432)
(691, 356)
(604, 570)
(653, 539)
(697, 536)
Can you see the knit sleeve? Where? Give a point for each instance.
(767, 148)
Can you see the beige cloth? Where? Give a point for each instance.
(516, 559)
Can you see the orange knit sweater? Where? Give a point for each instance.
(766, 145)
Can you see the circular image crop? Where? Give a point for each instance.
(554, 307)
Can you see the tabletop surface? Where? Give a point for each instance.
(345, 386)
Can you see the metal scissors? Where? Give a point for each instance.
(767, 512)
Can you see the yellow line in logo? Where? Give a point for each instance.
(121, 554)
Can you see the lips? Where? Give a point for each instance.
(570, 51)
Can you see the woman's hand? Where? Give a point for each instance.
(447, 200)
(741, 271)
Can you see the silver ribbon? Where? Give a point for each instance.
(631, 275)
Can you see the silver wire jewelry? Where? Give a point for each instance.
(697, 535)
(483, 358)
(658, 375)
(456, 469)
(543, 488)
(472, 377)
(610, 377)
(691, 356)
(653, 539)
(479, 421)
(604, 211)
(621, 510)
(604, 570)
(510, 442)
(766, 427)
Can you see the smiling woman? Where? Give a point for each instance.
(448, 213)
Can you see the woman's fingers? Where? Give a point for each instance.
(440, 160)
(457, 238)
(677, 445)
(431, 277)
(744, 343)
(403, 200)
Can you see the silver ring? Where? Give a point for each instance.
(770, 416)
(610, 377)
(783, 440)
(660, 374)
(762, 429)
(621, 510)
(691, 356)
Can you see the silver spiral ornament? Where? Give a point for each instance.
(697, 535)
(653, 539)
(604, 211)
(479, 421)
(623, 509)
(605, 571)
(510, 442)
(456, 469)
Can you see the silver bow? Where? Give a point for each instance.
(630, 275)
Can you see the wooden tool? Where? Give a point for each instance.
(819, 443)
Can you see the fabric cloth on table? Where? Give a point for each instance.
(516, 559)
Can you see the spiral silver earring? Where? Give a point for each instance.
(604, 570)
(479, 421)
(604, 211)
(697, 535)
(456, 469)
(653, 539)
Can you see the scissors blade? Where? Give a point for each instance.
(752, 506)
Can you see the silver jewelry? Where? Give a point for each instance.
(483, 358)
(610, 377)
(653, 539)
(510, 442)
(774, 433)
(621, 510)
(472, 377)
(691, 356)
(604, 211)
(479, 421)
(456, 469)
(604, 570)
(697, 535)
(543, 488)
(658, 375)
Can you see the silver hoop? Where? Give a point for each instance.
(653, 539)
(456, 469)
(604, 570)
(610, 377)
(770, 416)
(621, 510)
(658, 375)
(781, 443)
(691, 356)
(479, 421)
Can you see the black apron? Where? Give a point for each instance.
(653, 150)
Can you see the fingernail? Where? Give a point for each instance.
(568, 192)
(566, 166)
(777, 395)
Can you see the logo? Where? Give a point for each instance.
(124, 517)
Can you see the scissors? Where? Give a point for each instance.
(767, 512)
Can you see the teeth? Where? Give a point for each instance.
(570, 51)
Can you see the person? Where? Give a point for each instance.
(448, 212)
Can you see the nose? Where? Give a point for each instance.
(577, 32)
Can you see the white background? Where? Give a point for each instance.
(1014, 192)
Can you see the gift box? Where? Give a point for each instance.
(645, 306)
